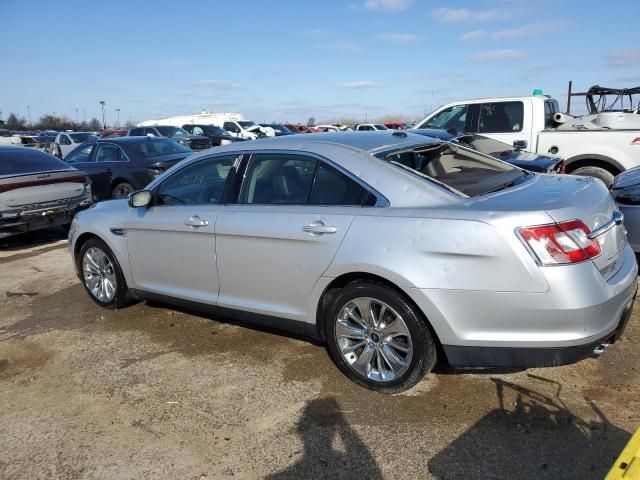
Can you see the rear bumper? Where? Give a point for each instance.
(40, 217)
(529, 357)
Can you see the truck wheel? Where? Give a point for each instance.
(598, 172)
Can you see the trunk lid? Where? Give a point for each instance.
(41, 187)
(566, 197)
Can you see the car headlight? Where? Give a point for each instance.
(628, 195)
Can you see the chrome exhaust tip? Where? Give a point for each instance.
(599, 350)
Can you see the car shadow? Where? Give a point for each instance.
(331, 449)
(532, 435)
(36, 238)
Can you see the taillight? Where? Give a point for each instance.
(560, 243)
(635, 141)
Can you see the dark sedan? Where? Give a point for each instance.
(119, 166)
(505, 152)
(194, 142)
(279, 129)
(217, 135)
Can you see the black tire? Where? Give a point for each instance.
(122, 190)
(423, 357)
(58, 153)
(121, 298)
(598, 172)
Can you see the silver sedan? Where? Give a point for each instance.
(395, 249)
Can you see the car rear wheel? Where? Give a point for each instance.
(597, 172)
(122, 190)
(102, 276)
(378, 339)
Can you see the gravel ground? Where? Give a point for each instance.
(153, 392)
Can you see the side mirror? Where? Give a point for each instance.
(139, 199)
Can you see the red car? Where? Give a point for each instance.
(395, 126)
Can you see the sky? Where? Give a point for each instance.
(291, 60)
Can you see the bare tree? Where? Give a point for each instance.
(94, 125)
(15, 123)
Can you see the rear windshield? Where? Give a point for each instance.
(154, 148)
(458, 169)
(18, 161)
(172, 131)
(82, 137)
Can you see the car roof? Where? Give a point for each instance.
(366, 142)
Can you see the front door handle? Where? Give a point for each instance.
(196, 221)
(319, 228)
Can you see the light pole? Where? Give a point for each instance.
(29, 110)
(104, 120)
(77, 121)
(118, 115)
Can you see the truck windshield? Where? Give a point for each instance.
(247, 124)
(458, 169)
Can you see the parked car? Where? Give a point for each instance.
(597, 145)
(194, 142)
(295, 128)
(369, 127)
(279, 129)
(247, 130)
(113, 133)
(217, 135)
(502, 151)
(67, 141)
(395, 126)
(393, 248)
(120, 165)
(38, 190)
(626, 192)
(328, 128)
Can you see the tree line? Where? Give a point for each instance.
(54, 122)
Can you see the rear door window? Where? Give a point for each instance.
(278, 179)
(109, 153)
(501, 117)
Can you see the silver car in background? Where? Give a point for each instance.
(393, 248)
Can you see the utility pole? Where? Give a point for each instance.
(29, 110)
(77, 122)
(104, 119)
(118, 115)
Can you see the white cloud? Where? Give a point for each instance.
(389, 5)
(494, 55)
(218, 84)
(342, 46)
(456, 15)
(473, 35)
(360, 84)
(389, 37)
(628, 57)
(531, 29)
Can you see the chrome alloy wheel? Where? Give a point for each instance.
(373, 339)
(99, 275)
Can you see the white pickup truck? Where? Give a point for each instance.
(600, 145)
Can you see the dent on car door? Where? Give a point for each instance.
(171, 243)
(293, 212)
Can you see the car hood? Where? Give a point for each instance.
(627, 178)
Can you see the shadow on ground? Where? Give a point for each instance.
(331, 448)
(33, 239)
(532, 435)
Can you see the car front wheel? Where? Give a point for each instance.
(102, 276)
(378, 339)
(122, 190)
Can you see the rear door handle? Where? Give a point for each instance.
(319, 227)
(196, 221)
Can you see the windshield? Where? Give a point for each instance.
(213, 130)
(172, 131)
(246, 124)
(460, 170)
(149, 147)
(82, 137)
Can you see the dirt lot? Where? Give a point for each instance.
(151, 392)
